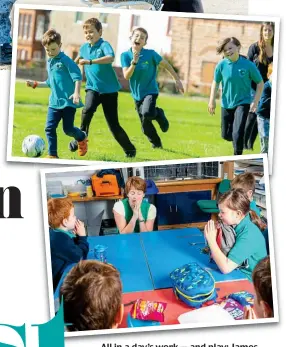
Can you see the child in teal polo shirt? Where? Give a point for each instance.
(102, 86)
(64, 80)
(140, 67)
(236, 73)
(249, 247)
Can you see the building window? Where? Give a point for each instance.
(27, 26)
(78, 17)
(37, 55)
(40, 27)
(23, 55)
(103, 18)
(242, 30)
(135, 21)
(218, 27)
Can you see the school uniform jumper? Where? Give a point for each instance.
(249, 245)
(66, 248)
(62, 75)
(183, 6)
(5, 31)
(144, 90)
(251, 127)
(236, 80)
(102, 87)
(263, 116)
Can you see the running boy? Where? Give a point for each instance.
(263, 112)
(92, 297)
(5, 30)
(96, 55)
(68, 240)
(236, 73)
(140, 68)
(64, 79)
(249, 247)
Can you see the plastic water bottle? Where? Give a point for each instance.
(100, 253)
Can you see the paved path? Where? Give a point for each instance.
(210, 6)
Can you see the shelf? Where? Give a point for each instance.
(96, 198)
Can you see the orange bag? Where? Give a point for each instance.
(105, 186)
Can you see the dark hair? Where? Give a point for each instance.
(261, 43)
(92, 296)
(93, 21)
(261, 277)
(237, 200)
(51, 36)
(246, 181)
(58, 210)
(221, 46)
(136, 182)
(142, 30)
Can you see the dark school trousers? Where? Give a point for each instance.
(147, 111)
(109, 104)
(183, 6)
(251, 130)
(233, 126)
(54, 116)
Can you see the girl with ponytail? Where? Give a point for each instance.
(249, 247)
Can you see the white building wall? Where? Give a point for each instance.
(157, 32)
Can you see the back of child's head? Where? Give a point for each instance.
(93, 22)
(234, 40)
(92, 296)
(141, 30)
(51, 36)
(58, 210)
(261, 277)
(238, 200)
(245, 181)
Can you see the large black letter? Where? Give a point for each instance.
(14, 202)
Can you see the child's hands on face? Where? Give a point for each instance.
(79, 228)
(210, 231)
(249, 313)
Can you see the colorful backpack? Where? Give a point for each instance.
(193, 285)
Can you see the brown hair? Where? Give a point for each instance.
(261, 277)
(93, 21)
(92, 296)
(221, 46)
(245, 181)
(51, 36)
(136, 182)
(58, 210)
(261, 43)
(142, 30)
(270, 69)
(237, 200)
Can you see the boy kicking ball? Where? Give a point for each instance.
(64, 80)
(140, 67)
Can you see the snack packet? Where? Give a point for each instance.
(148, 310)
(233, 308)
(244, 298)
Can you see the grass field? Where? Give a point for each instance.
(193, 132)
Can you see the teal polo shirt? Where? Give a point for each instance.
(236, 80)
(62, 75)
(249, 245)
(99, 77)
(143, 81)
(67, 232)
(255, 208)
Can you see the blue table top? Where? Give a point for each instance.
(166, 250)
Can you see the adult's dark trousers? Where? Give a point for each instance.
(251, 130)
(183, 6)
(147, 112)
(233, 123)
(109, 104)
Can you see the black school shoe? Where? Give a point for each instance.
(162, 120)
(73, 146)
(131, 153)
(5, 54)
